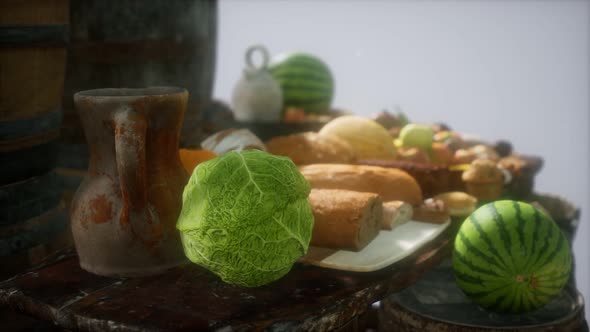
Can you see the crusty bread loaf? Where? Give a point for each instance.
(311, 148)
(433, 179)
(390, 183)
(344, 219)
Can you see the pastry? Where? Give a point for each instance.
(457, 203)
(480, 151)
(484, 180)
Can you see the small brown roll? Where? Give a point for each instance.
(457, 203)
(345, 219)
(390, 183)
(395, 213)
(432, 211)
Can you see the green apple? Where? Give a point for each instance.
(417, 136)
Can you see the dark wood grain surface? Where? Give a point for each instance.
(190, 298)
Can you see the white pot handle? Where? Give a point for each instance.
(250, 52)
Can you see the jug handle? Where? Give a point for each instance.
(130, 144)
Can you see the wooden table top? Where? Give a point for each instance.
(190, 298)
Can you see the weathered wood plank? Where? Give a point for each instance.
(191, 298)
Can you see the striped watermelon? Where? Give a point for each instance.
(306, 82)
(511, 257)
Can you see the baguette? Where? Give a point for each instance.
(390, 183)
(395, 213)
(344, 219)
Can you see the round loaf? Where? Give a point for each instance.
(311, 148)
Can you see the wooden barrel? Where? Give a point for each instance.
(72, 166)
(29, 198)
(137, 43)
(567, 217)
(33, 37)
(33, 222)
(565, 214)
(436, 303)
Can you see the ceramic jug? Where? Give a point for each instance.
(124, 213)
(257, 96)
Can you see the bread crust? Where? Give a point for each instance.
(390, 183)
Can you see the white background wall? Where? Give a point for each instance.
(516, 70)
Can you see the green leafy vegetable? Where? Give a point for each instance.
(246, 217)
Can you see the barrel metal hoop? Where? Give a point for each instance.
(18, 193)
(36, 196)
(45, 122)
(33, 233)
(34, 35)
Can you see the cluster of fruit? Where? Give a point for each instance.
(437, 144)
(487, 171)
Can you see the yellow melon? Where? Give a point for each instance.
(369, 139)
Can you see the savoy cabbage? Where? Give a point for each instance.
(246, 217)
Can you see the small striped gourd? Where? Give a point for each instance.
(305, 80)
(511, 257)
